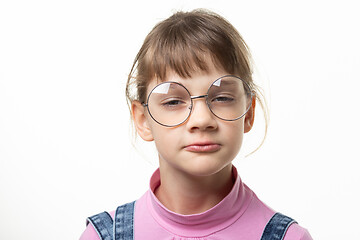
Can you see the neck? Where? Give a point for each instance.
(186, 194)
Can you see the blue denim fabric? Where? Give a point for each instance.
(123, 227)
(277, 226)
(103, 225)
(124, 222)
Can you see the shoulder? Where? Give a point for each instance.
(90, 232)
(103, 221)
(296, 232)
(263, 213)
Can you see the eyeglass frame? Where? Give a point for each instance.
(198, 97)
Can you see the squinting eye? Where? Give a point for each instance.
(172, 103)
(223, 99)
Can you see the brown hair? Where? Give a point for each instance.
(183, 43)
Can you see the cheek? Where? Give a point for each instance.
(165, 138)
(235, 134)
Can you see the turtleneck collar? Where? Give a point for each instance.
(213, 220)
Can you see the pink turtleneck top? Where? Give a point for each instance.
(240, 215)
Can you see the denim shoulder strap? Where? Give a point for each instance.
(124, 222)
(277, 226)
(103, 225)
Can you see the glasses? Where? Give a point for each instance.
(170, 103)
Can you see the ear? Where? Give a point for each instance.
(140, 121)
(250, 116)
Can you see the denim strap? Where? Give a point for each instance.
(103, 225)
(124, 222)
(277, 226)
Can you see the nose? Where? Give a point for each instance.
(201, 118)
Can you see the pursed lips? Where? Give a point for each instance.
(203, 147)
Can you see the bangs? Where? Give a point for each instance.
(186, 46)
(182, 60)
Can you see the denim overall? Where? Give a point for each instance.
(122, 226)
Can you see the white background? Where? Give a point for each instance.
(65, 143)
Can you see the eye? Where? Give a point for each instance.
(173, 103)
(222, 99)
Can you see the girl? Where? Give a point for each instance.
(195, 98)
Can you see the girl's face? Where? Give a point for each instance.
(204, 144)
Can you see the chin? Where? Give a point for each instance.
(205, 169)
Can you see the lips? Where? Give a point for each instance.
(207, 147)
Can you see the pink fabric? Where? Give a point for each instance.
(240, 215)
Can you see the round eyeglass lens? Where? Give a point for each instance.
(169, 104)
(229, 98)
